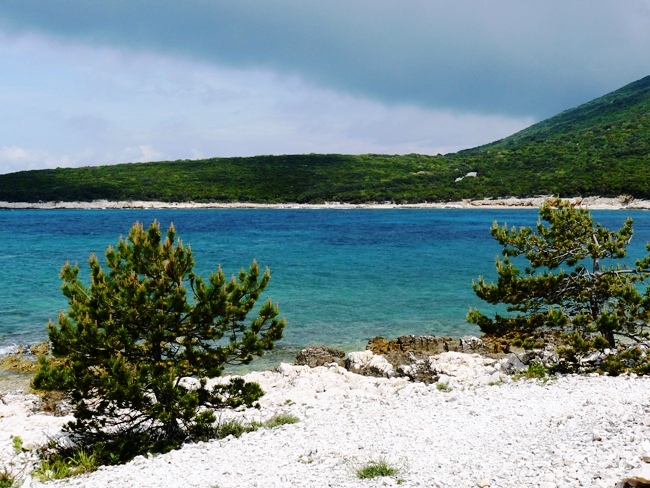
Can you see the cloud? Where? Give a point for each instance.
(524, 58)
(13, 158)
(15, 154)
(97, 105)
(88, 83)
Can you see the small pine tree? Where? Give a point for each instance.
(130, 338)
(567, 285)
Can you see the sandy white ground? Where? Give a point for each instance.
(568, 432)
(594, 203)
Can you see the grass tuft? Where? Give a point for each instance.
(6, 478)
(17, 443)
(535, 370)
(375, 469)
(281, 419)
(59, 466)
(236, 427)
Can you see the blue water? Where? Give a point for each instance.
(340, 276)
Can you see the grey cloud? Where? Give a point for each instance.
(524, 58)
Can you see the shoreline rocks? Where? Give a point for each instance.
(428, 359)
(319, 355)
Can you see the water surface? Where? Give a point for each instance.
(340, 276)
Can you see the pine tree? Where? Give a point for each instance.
(130, 340)
(568, 284)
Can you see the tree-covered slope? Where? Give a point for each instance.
(599, 148)
(268, 179)
(620, 107)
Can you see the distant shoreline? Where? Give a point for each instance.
(592, 203)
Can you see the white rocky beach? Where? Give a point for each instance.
(593, 203)
(481, 430)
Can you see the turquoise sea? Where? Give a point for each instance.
(340, 276)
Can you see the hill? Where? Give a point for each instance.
(599, 148)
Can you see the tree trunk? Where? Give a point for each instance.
(609, 335)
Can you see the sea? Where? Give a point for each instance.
(340, 276)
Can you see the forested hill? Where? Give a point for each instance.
(621, 107)
(599, 148)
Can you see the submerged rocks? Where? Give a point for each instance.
(24, 360)
(18, 363)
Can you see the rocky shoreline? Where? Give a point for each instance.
(592, 203)
(430, 359)
(484, 428)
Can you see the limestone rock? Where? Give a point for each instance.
(638, 478)
(512, 364)
(456, 367)
(369, 364)
(379, 366)
(358, 360)
(419, 345)
(379, 345)
(319, 355)
(470, 343)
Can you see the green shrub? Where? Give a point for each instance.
(235, 428)
(138, 329)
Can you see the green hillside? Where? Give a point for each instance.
(599, 148)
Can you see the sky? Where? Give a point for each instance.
(85, 82)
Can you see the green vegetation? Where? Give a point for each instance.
(67, 463)
(265, 179)
(280, 419)
(132, 338)
(6, 478)
(535, 370)
(236, 427)
(11, 474)
(17, 443)
(375, 469)
(569, 285)
(60, 462)
(599, 148)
